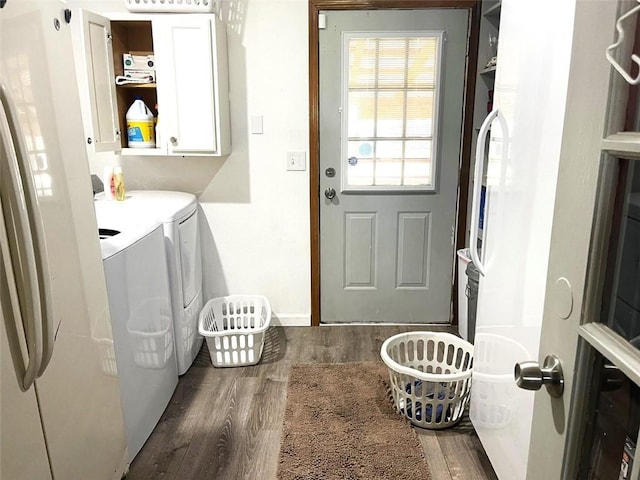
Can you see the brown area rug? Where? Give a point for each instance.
(340, 424)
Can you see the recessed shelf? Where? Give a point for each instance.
(625, 144)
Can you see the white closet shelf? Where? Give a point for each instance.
(625, 144)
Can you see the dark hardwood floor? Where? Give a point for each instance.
(225, 423)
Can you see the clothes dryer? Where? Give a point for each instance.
(178, 214)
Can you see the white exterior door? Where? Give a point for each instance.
(552, 93)
(391, 90)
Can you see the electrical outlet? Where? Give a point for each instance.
(297, 161)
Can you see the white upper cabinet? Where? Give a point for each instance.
(191, 64)
(94, 57)
(190, 95)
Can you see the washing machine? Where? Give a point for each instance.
(140, 308)
(178, 215)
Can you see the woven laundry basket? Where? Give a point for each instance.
(430, 374)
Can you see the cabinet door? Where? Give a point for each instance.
(183, 47)
(96, 83)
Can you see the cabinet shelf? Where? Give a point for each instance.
(137, 85)
(625, 144)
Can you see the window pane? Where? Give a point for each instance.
(388, 149)
(360, 164)
(361, 114)
(389, 172)
(621, 301)
(418, 167)
(417, 172)
(419, 149)
(390, 114)
(388, 163)
(362, 62)
(360, 150)
(422, 62)
(392, 61)
(419, 114)
(609, 443)
(390, 107)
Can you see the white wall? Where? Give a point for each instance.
(256, 214)
(258, 211)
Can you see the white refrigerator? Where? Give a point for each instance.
(60, 411)
(525, 138)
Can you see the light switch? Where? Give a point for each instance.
(296, 160)
(256, 124)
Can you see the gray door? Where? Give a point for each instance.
(391, 98)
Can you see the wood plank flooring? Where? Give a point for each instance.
(225, 423)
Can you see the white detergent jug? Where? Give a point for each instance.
(140, 125)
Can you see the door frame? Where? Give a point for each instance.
(315, 6)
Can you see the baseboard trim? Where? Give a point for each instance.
(291, 320)
(387, 324)
(123, 468)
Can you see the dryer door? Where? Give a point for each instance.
(190, 258)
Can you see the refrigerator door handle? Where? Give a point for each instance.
(477, 190)
(19, 265)
(47, 326)
(30, 199)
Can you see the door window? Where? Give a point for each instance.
(390, 116)
(611, 433)
(621, 301)
(610, 336)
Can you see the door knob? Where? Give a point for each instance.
(530, 376)
(330, 193)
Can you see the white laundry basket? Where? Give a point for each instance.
(430, 374)
(151, 334)
(496, 396)
(234, 328)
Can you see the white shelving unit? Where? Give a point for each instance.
(485, 77)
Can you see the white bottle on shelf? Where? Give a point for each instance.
(140, 125)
